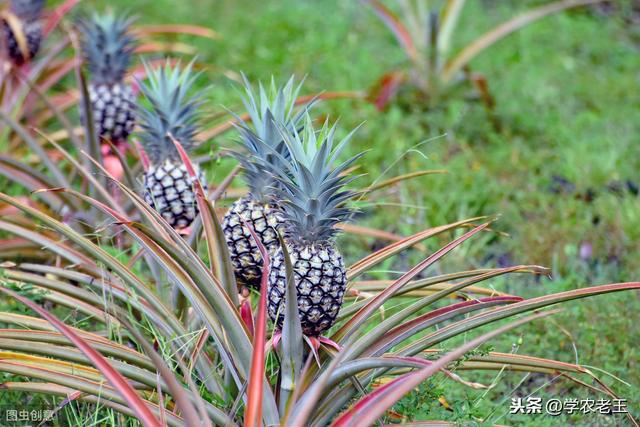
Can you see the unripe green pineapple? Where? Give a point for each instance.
(29, 17)
(313, 201)
(263, 148)
(167, 185)
(107, 47)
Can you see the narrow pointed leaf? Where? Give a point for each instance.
(118, 381)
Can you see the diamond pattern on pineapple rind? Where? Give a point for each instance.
(245, 255)
(168, 189)
(113, 110)
(321, 281)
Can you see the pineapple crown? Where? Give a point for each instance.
(262, 142)
(173, 111)
(310, 190)
(107, 46)
(28, 10)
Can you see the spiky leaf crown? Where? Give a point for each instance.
(173, 111)
(28, 10)
(311, 191)
(269, 108)
(107, 46)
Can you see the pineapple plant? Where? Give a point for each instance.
(107, 47)
(313, 201)
(27, 14)
(173, 114)
(263, 147)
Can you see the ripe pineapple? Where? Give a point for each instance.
(312, 198)
(28, 14)
(263, 148)
(167, 185)
(107, 47)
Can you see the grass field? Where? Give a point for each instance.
(558, 160)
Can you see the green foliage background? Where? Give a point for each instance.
(568, 119)
(567, 104)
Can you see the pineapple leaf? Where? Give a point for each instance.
(173, 111)
(107, 46)
(291, 357)
(264, 151)
(309, 188)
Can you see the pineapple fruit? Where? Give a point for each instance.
(263, 148)
(28, 14)
(167, 185)
(313, 201)
(107, 47)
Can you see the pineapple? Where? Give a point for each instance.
(167, 185)
(263, 147)
(107, 47)
(28, 14)
(313, 201)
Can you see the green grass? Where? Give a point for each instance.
(567, 103)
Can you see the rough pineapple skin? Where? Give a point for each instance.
(168, 189)
(266, 220)
(33, 34)
(321, 280)
(113, 110)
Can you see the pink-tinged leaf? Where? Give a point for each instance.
(57, 14)
(194, 30)
(185, 158)
(253, 413)
(54, 78)
(363, 314)
(277, 337)
(119, 383)
(413, 326)
(508, 311)
(355, 367)
(173, 47)
(247, 316)
(386, 89)
(370, 260)
(330, 343)
(397, 28)
(372, 406)
(314, 345)
(216, 244)
(203, 336)
(146, 163)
